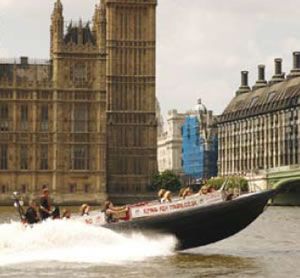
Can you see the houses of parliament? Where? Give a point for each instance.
(83, 123)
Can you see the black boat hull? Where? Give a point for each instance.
(202, 225)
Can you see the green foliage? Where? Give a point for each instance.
(216, 182)
(233, 181)
(167, 180)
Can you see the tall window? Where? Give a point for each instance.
(72, 187)
(23, 188)
(23, 157)
(86, 188)
(80, 116)
(3, 117)
(24, 117)
(79, 74)
(44, 157)
(80, 157)
(44, 118)
(3, 157)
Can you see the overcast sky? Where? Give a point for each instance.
(202, 45)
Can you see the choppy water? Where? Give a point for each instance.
(270, 247)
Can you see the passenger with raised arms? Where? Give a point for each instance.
(167, 197)
(187, 192)
(161, 194)
(113, 213)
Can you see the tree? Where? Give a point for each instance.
(233, 181)
(167, 180)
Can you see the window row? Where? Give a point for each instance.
(79, 159)
(23, 117)
(24, 188)
(79, 117)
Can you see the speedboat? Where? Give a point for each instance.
(195, 221)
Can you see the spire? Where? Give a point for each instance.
(102, 30)
(102, 10)
(58, 5)
(57, 26)
(95, 18)
(58, 9)
(80, 32)
(99, 25)
(70, 26)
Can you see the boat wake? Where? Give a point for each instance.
(71, 241)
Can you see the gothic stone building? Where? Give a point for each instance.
(83, 122)
(260, 128)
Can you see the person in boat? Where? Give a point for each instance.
(161, 194)
(167, 197)
(45, 208)
(84, 209)
(210, 189)
(236, 192)
(180, 194)
(187, 192)
(55, 213)
(113, 213)
(66, 214)
(229, 195)
(203, 190)
(31, 214)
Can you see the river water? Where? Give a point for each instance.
(270, 247)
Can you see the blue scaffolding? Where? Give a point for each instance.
(198, 161)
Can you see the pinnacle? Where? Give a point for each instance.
(58, 4)
(102, 3)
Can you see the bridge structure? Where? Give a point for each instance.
(286, 179)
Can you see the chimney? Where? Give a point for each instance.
(279, 75)
(295, 72)
(24, 60)
(278, 66)
(244, 88)
(261, 82)
(296, 60)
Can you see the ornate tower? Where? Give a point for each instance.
(130, 75)
(79, 101)
(56, 28)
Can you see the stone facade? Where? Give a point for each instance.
(169, 147)
(260, 127)
(83, 122)
(131, 101)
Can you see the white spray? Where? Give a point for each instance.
(72, 241)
